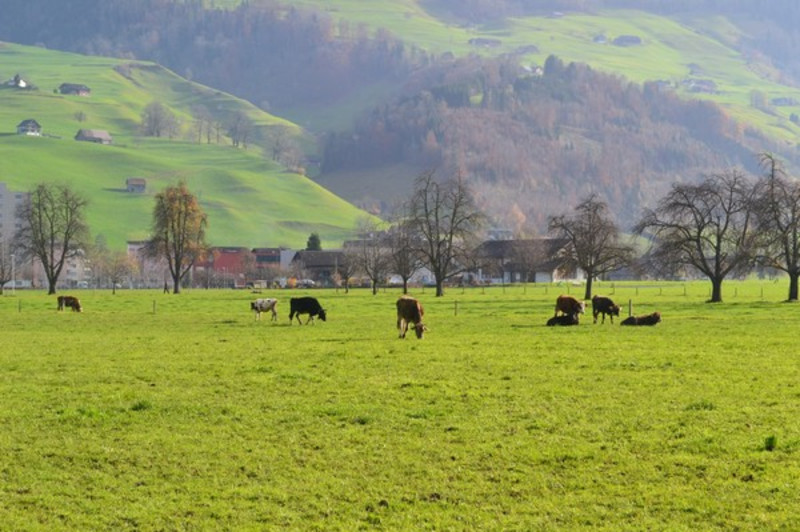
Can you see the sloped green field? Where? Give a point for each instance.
(250, 200)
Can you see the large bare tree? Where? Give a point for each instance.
(179, 231)
(594, 243)
(444, 217)
(707, 226)
(53, 228)
(778, 216)
(403, 257)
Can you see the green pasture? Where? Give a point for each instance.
(181, 412)
(250, 200)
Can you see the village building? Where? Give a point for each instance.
(538, 260)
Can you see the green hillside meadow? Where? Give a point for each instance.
(161, 412)
(250, 200)
(672, 50)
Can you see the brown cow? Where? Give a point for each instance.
(569, 305)
(409, 310)
(69, 301)
(647, 319)
(604, 305)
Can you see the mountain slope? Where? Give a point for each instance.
(250, 200)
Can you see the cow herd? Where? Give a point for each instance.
(410, 311)
(570, 308)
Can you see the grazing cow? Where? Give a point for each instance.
(566, 319)
(305, 305)
(569, 305)
(647, 319)
(603, 305)
(263, 305)
(410, 311)
(69, 301)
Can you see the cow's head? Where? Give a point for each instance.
(420, 329)
(252, 305)
(322, 314)
(615, 310)
(583, 307)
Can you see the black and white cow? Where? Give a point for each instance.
(305, 305)
(263, 305)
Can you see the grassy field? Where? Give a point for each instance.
(151, 411)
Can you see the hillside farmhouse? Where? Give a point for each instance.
(74, 89)
(135, 185)
(98, 136)
(29, 127)
(18, 83)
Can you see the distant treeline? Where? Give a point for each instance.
(531, 142)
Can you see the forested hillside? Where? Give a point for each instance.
(386, 106)
(533, 142)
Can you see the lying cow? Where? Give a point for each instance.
(604, 305)
(566, 319)
(569, 305)
(69, 301)
(410, 311)
(305, 305)
(263, 305)
(647, 319)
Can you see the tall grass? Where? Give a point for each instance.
(153, 411)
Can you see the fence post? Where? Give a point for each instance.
(455, 306)
(630, 308)
(154, 306)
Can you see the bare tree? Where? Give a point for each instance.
(370, 252)
(778, 216)
(116, 266)
(53, 228)
(707, 226)
(179, 230)
(239, 129)
(443, 216)
(158, 121)
(593, 240)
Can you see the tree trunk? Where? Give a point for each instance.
(51, 285)
(374, 287)
(588, 293)
(439, 287)
(176, 284)
(405, 285)
(793, 277)
(716, 291)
